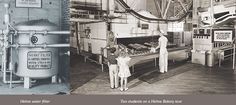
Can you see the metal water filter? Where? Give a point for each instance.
(36, 60)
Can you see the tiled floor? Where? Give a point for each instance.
(182, 78)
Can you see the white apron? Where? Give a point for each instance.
(163, 54)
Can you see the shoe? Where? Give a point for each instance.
(126, 89)
(162, 72)
(121, 89)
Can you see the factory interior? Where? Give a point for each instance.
(34, 47)
(201, 45)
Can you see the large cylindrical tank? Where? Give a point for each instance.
(35, 62)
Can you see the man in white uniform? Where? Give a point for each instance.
(163, 57)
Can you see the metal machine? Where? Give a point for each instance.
(208, 43)
(213, 40)
(218, 15)
(31, 50)
(137, 32)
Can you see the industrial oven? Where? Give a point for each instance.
(129, 32)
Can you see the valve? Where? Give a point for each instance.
(34, 39)
(65, 53)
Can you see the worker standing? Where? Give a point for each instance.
(163, 54)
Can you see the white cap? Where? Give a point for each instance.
(162, 31)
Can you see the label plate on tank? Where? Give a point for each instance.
(39, 60)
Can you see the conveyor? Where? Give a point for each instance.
(142, 52)
(172, 52)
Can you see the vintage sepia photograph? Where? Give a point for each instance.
(152, 47)
(113, 52)
(34, 47)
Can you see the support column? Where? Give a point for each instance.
(77, 37)
(234, 57)
(27, 82)
(133, 68)
(54, 79)
(155, 61)
(234, 49)
(167, 7)
(111, 7)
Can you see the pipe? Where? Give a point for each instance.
(234, 57)
(77, 37)
(5, 41)
(44, 32)
(40, 45)
(212, 13)
(20, 81)
(38, 32)
(11, 65)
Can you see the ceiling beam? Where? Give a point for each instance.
(167, 7)
(158, 7)
(182, 6)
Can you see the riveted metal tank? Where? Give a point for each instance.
(35, 62)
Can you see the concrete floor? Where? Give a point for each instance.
(182, 78)
(44, 87)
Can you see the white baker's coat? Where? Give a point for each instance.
(163, 57)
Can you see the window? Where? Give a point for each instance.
(175, 26)
(145, 26)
